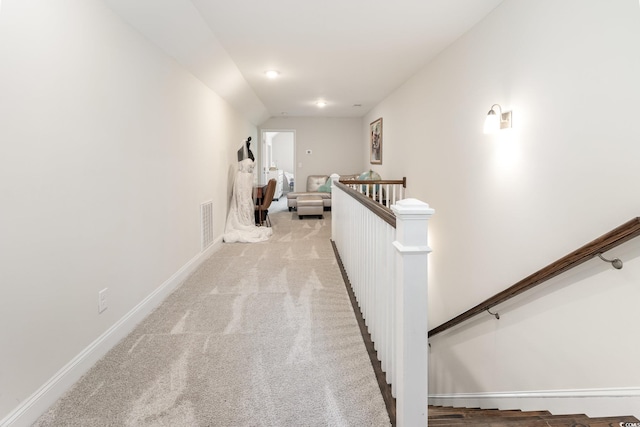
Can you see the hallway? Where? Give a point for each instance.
(261, 334)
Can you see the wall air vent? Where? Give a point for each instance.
(206, 224)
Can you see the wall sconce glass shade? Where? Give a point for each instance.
(492, 122)
(496, 121)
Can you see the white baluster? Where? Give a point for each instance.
(391, 307)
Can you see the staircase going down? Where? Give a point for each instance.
(449, 416)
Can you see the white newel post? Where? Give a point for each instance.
(334, 178)
(411, 307)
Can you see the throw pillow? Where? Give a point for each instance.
(326, 187)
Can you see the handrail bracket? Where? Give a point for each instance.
(616, 262)
(496, 314)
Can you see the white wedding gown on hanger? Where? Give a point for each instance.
(241, 226)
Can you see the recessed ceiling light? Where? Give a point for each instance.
(321, 104)
(272, 74)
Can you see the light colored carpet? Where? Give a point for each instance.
(263, 334)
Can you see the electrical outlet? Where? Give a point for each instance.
(102, 300)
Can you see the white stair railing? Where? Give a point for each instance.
(384, 253)
(386, 192)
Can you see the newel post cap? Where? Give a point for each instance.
(412, 207)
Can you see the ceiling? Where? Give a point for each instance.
(349, 53)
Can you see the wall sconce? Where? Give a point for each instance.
(494, 122)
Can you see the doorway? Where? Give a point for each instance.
(278, 159)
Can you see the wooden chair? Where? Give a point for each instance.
(262, 210)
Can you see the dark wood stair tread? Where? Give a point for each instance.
(495, 413)
(444, 416)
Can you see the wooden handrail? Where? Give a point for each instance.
(402, 181)
(615, 237)
(382, 211)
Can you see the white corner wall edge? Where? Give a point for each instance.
(34, 406)
(605, 402)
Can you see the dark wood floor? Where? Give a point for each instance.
(448, 416)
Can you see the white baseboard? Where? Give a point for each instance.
(609, 402)
(31, 409)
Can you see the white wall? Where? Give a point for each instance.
(334, 143)
(107, 149)
(509, 204)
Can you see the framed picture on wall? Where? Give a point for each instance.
(375, 134)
